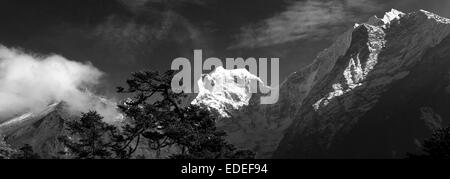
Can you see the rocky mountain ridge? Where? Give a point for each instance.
(327, 109)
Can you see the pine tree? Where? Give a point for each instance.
(6, 151)
(155, 115)
(199, 138)
(26, 152)
(90, 137)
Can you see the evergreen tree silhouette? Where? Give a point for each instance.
(90, 137)
(155, 115)
(26, 152)
(6, 151)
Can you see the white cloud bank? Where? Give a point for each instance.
(31, 82)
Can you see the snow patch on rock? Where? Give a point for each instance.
(435, 17)
(392, 15)
(387, 19)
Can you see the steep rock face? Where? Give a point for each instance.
(381, 97)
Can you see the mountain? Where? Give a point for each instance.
(39, 129)
(221, 93)
(379, 98)
(377, 92)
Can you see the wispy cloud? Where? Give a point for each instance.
(305, 20)
(146, 29)
(125, 33)
(137, 6)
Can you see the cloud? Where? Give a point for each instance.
(125, 33)
(142, 33)
(305, 20)
(137, 6)
(129, 32)
(32, 82)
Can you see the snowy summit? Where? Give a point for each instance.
(223, 90)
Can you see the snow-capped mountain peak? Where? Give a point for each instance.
(223, 90)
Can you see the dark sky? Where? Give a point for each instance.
(122, 36)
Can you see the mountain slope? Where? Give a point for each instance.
(39, 129)
(375, 93)
(383, 96)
